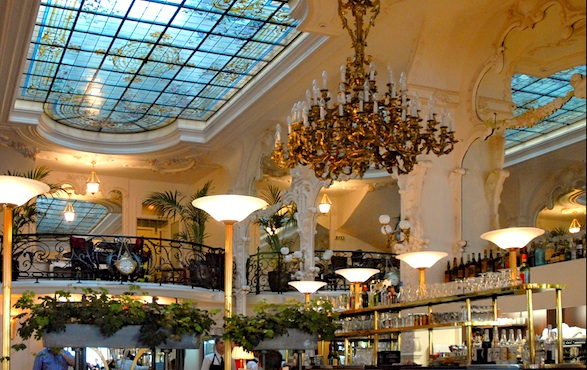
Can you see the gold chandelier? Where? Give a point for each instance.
(363, 128)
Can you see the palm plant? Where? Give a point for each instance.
(283, 218)
(170, 205)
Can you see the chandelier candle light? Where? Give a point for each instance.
(228, 209)
(510, 239)
(357, 276)
(14, 191)
(344, 133)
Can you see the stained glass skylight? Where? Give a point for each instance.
(50, 218)
(129, 66)
(531, 92)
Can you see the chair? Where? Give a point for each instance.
(82, 258)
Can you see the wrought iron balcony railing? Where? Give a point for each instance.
(93, 257)
(166, 261)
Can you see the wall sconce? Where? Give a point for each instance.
(228, 209)
(69, 212)
(421, 261)
(307, 287)
(93, 182)
(395, 237)
(325, 204)
(575, 226)
(510, 239)
(357, 276)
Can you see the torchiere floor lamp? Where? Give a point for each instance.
(228, 209)
(14, 191)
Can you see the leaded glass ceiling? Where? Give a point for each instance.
(129, 66)
(531, 92)
(50, 216)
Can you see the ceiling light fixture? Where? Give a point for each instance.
(363, 128)
(325, 204)
(93, 182)
(69, 212)
(575, 226)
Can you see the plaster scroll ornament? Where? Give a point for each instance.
(534, 115)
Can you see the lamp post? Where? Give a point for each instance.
(14, 191)
(357, 276)
(228, 209)
(510, 239)
(421, 261)
(307, 287)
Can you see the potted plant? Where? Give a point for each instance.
(271, 321)
(155, 325)
(170, 205)
(276, 227)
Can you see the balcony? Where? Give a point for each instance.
(164, 261)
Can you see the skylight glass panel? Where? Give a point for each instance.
(532, 92)
(89, 59)
(50, 218)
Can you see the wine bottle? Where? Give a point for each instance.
(447, 272)
(550, 346)
(479, 268)
(455, 269)
(485, 262)
(539, 255)
(473, 267)
(525, 270)
(461, 269)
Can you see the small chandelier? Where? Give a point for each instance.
(69, 212)
(93, 182)
(363, 128)
(575, 226)
(325, 204)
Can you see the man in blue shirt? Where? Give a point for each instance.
(53, 359)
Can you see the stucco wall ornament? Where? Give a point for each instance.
(493, 188)
(410, 186)
(19, 147)
(534, 115)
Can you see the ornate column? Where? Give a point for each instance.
(456, 185)
(304, 191)
(240, 241)
(410, 189)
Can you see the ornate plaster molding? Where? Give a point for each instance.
(493, 189)
(20, 147)
(455, 179)
(410, 186)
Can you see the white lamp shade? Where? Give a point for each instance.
(384, 219)
(18, 190)
(512, 237)
(229, 207)
(357, 275)
(307, 286)
(239, 353)
(421, 260)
